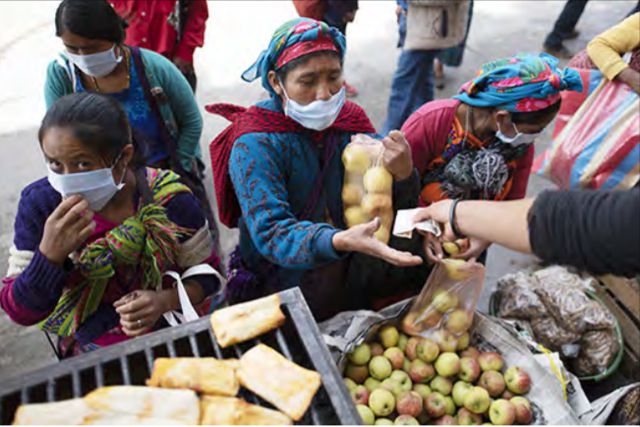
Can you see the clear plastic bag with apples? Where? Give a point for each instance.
(444, 309)
(368, 186)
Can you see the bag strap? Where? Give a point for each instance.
(327, 155)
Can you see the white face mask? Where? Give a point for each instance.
(518, 139)
(96, 187)
(317, 115)
(96, 64)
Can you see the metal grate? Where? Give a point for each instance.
(131, 363)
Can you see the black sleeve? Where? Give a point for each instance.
(595, 231)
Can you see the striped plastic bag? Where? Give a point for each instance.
(599, 147)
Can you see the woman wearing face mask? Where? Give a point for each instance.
(155, 95)
(479, 145)
(93, 240)
(281, 160)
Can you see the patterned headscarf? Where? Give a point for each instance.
(521, 83)
(291, 40)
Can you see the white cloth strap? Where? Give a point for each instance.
(189, 314)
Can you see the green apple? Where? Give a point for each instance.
(371, 384)
(463, 342)
(448, 364)
(360, 355)
(351, 384)
(406, 420)
(395, 356)
(421, 372)
(490, 361)
(384, 422)
(449, 406)
(442, 385)
(523, 410)
(366, 415)
(389, 336)
(459, 392)
(518, 381)
(403, 378)
(458, 321)
(380, 368)
(402, 341)
(468, 418)
(477, 400)
(502, 412)
(406, 365)
(446, 341)
(422, 389)
(435, 405)
(444, 301)
(382, 402)
(427, 350)
(393, 386)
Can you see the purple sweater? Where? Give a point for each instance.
(31, 296)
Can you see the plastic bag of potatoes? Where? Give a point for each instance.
(368, 186)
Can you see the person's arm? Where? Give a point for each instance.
(193, 30)
(183, 105)
(607, 48)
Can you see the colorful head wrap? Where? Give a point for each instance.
(521, 83)
(292, 40)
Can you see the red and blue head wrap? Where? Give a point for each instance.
(292, 40)
(522, 83)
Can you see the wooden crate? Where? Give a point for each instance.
(622, 297)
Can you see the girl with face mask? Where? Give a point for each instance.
(479, 145)
(93, 239)
(278, 176)
(155, 95)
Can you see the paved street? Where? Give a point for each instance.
(237, 31)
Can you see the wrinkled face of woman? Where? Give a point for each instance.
(318, 78)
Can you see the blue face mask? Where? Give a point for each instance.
(518, 139)
(317, 115)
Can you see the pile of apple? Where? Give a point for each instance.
(406, 380)
(368, 187)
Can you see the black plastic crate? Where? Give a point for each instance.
(131, 363)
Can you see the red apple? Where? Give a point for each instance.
(518, 381)
(357, 373)
(507, 394)
(446, 420)
(502, 412)
(421, 372)
(360, 395)
(493, 382)
(411, 348)
(395, 356)
(376, 349)
(469, 369)
(471, 352)
(430, 319)
(442, 385)
(409, 403)
(524, 415)
(490, 361)
(468, 418)
(435, 405)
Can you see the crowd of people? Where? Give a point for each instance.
(124, 200)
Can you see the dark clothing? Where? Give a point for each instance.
(565, 23)
(596, 231)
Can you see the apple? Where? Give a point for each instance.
(376, 349)
(351, 384)
(502, 412)
(403, 378)
(427, 350)
(366, 414)
(450, 407)
(351, 194)
(435, 405)
(409, 403)
(524, 415)
(493, 382)
(382, 402)
(402, 341)
(446, 420)
(469, 370)
(518, 381)
(430, 319)
(360, 355)
(383, 422)
(408, 324)
(393, 386)
(490, 361)
(395, 356)
(371, 384)
(424, 419)
(458, 321)
(463, 342)
(355, 158)
(451, 248)
(406, 420)
(468, 418)
(459, 392)
(378, 180)
(444, 301)
(389, 336)
(406, 365)
(380, 367)
(446, 341)
(355, 215)
(477, 400)
(507, 394)
(360, 395)
(375, 204)
(356, 373)
(448, 364)
(471, 352)
(442, 385)
(421, 372)
(455, 268)
(422, 389)
(411, 348)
